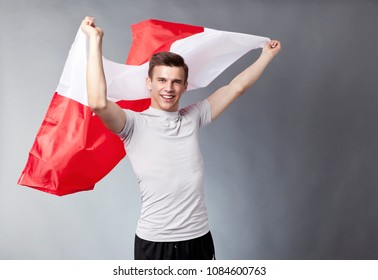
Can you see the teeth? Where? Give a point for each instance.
(168, 96)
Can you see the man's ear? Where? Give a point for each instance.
(148, 83)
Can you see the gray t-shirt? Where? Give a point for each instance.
(164, 152)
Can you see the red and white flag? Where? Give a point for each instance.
(73, 150)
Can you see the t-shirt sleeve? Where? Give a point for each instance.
(200, 111)
(128, 129)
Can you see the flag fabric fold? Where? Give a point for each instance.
(73, 150)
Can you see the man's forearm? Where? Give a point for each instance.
(249, 76)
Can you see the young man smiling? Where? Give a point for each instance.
(167, 81)
(162, 145)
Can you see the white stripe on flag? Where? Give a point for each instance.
(210, 52)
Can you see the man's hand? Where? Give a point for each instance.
(89, 28)
(272, 48)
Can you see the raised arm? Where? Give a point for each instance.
(109, 112)
(224, 96)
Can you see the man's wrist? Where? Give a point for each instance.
(95, 38)
(267, 56)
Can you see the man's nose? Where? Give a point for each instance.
(169, 87)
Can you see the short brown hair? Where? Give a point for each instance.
(167, 59)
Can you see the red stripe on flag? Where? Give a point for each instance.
(135, 105)
(73, 149)
(153, 36)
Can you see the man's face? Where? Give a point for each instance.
(166, 87)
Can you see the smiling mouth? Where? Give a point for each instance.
(167, 97)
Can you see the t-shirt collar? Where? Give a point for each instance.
(162, 113)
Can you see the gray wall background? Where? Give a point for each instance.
(291, 166)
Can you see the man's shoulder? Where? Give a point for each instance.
(195, 108)
(199, 111)
(134, 113)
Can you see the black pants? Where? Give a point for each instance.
(201, 248)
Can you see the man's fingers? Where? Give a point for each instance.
(274, 43)
(89, 21)
(88, 18)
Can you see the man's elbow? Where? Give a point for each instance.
(237, 89)
(97, 105)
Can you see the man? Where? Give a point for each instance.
(162, 145)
